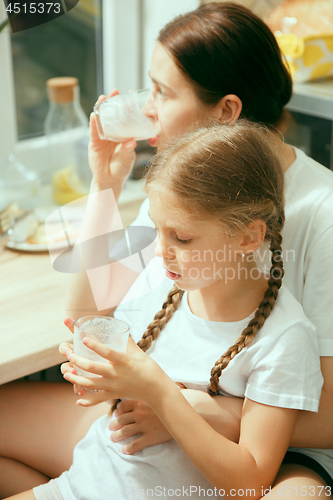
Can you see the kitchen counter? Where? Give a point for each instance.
(32, 309)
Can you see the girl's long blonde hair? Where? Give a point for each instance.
(226, 173)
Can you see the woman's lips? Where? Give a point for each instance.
(153, 141)
(172, 276)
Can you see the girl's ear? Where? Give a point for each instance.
(229, 109)
(253, 240)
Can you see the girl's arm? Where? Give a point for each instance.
(137, 418)
(223, 413)
(235, 468)
(312, 430)
(252, 464)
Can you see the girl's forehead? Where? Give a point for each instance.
(166, 209)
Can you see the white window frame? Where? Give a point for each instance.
(118, 18)
(8, 129)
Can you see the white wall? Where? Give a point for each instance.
(8, 132)
(156, 13)
(129, 27)
(121, 57)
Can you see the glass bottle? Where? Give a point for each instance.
(66, 127)
(18, 185)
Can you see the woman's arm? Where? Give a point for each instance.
(252, 464)
(315, 430)
(110, 164)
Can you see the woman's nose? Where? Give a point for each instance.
(149, 107)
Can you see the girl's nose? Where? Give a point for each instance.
(164, 251)
(149, 107)
(158, 248)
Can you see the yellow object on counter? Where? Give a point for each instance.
(67, 186)
(309, 57)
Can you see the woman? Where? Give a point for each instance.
(236, 64)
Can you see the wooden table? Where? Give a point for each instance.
(32, 297)
(32, 312)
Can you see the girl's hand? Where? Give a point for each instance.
(110, 162)
(136, 417)
(66, 350)
(126, 375)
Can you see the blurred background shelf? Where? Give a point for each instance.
(311, 127)
(314, 98)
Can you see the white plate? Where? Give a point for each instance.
(57, 230)
(29, 247)
(56, 236)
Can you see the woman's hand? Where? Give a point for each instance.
(132, 375)
(110, 162)
(66, 349)
(137, 417)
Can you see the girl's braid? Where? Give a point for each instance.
(161, 318)
(262, 313)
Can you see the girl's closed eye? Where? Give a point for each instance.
(183, 242)
(179, 240)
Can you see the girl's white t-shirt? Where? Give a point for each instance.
(280, 368)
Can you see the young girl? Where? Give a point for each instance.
(217, 62)
(215, 196)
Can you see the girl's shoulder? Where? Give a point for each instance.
(289, 305)
(287, 319)
(306, 173)
(289, 309)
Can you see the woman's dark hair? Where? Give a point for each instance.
(223, 48)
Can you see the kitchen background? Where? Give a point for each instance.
(107, 44)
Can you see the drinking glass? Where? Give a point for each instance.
(121, 117)
(109, 331)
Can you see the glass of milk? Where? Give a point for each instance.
(121, 117)
(109, 331)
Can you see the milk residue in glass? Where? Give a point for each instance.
(98, 325)
(122, 119)
(104, 330)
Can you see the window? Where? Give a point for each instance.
(70, 45)
(104, 43)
